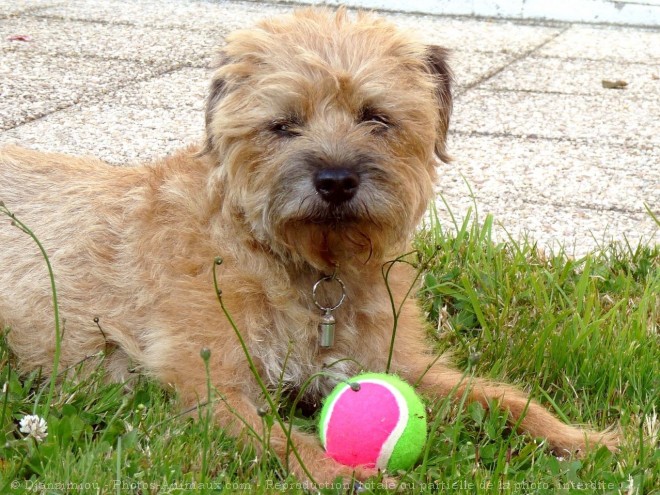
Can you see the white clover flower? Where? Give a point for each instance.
(35, 427)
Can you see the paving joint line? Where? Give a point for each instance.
(57, 17)
(533, 91)
(93, 56)
(618, 61)
(94, 98)
(513, 61)
(102, 22)
(589, 59)
(636, 97)
(26, 11)
(584, 206)
(563, 139)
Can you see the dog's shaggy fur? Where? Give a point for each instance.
(315, 91)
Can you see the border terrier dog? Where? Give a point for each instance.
(322, 135)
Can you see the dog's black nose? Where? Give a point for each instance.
(336, 185)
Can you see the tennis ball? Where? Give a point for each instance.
(381, 423)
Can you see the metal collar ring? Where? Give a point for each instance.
(330, 278)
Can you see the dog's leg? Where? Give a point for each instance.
(437, 378)
(442, 381)
(239, 415)
(237, 405)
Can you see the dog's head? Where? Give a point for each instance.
(325, 130)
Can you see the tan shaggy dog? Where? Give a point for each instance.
(322, 137)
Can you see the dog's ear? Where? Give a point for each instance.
(436, 60)
(218, 91)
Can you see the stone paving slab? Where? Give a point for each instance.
(192, 15)
(119, 134)
(470, 67)
(142, 121)
(614, 43)
(184, 90)
(34, 84)
(477, 34)
(510, 170)
(552, 225)
(109, 41)
(609, 118)
(577, 76)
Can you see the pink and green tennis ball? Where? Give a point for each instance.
(381, 425)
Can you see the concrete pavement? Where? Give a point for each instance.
(543, 146)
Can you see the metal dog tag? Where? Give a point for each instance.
(328, 323)
(327, 329)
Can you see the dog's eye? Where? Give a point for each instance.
(285, 128)
(371, 116)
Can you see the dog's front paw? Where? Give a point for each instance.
(323, 472)
(579, 442)
(608, 438)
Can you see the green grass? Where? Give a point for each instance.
(582, 335)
